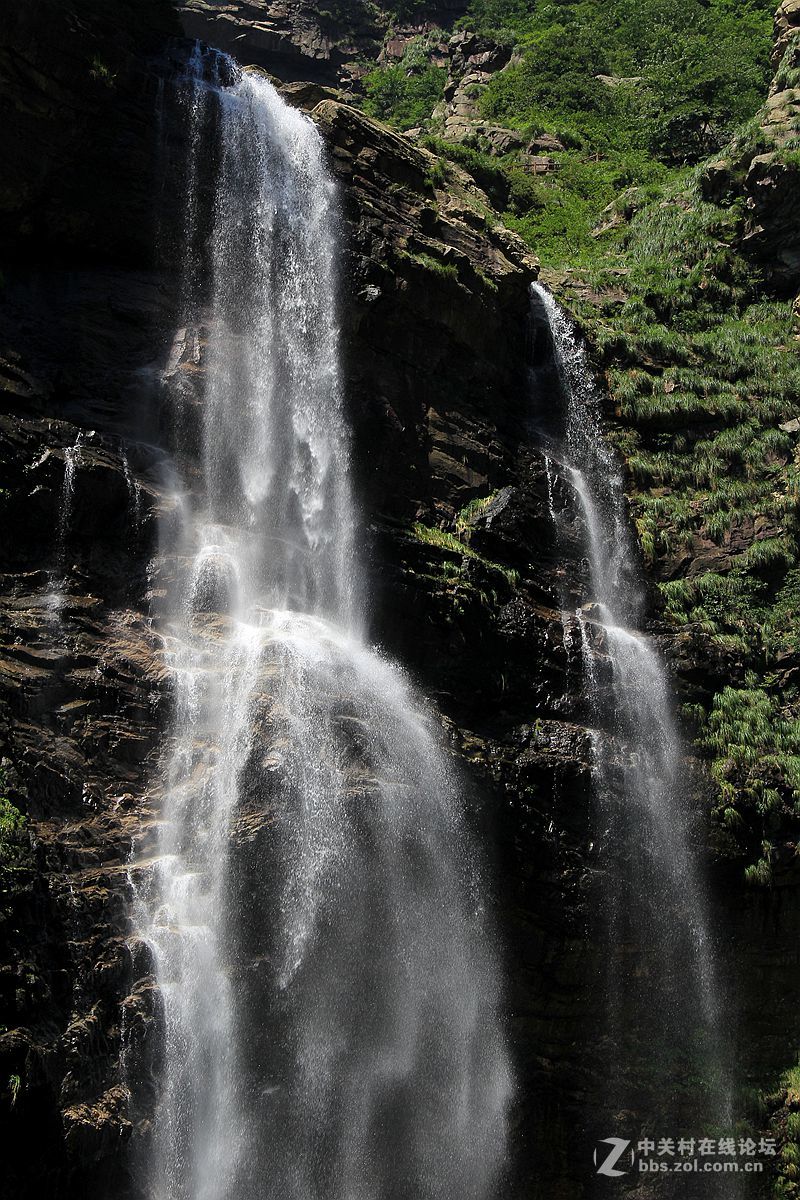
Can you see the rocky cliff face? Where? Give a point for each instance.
(435, 311)
(292, 39)
(467, 577)
(762, 166)
(298, 40)
(76, 96)
(771, 185)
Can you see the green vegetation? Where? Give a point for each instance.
(786, 1125)
(755, 750)
(14, 844)
(669, 78)
(450, 543)
(441, 538)
(634, 91)
(638, 98)
(402, 99)
(472, 512)
(485, 170)
(429, 263)
(466, 586)
(704, 374)
(100, 72)
(409, 10)
(702, 365)
(437, 175)
(405, 94)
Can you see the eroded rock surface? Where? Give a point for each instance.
(299, 40)
(772, 184)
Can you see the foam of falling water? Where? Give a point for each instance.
(331, 996)
(58, 575)
(568, 621)
(551, 484)
(134, 494)
(657, 898)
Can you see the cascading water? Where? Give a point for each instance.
(662, 985)
(58, 576)
(134, 493)
(331, 996)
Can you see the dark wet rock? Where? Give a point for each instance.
(288, 37)
(436, 321)
(76, 94)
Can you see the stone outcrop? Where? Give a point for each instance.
(442, 286)
(787, 22)
(289, 37)
(764, 168)
(772, 180)
(473, 62)
(397, 43)
(82, 682)
(300, 40)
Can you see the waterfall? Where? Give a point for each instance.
(58, 576)
(134, 492)
(662, 982)
(329, 988)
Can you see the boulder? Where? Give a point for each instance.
(787, 25)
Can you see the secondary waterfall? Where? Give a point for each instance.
(332, 1010)
(661, 981)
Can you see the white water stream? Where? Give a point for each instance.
(662, 971)
(331, 995)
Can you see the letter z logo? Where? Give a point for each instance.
(607, 1166)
